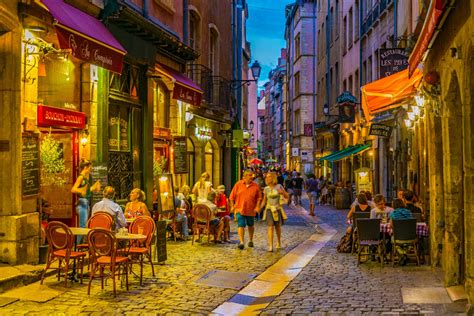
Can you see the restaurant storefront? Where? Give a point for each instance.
(59, 49)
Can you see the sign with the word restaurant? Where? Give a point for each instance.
(392, 60)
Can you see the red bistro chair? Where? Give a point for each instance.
(146, 226)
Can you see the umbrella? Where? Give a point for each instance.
(271, 160)
(256, 161)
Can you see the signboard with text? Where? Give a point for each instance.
(308, 129)
(30, 165)
(392, 60)
(49, 117)
(380, 130)
(180, 158)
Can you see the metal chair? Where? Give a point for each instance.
(142, 225)
(60, 242)
(103, 249)
(404, 235)
(355, 216)
(369, 236)
(202, 216)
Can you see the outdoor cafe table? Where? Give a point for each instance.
(421, 229)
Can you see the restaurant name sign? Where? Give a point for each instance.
(49, 116)
(380, 130)
(90, 51)
(392, 60)
(185, 94)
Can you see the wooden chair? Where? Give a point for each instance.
(404, 235)
(369, 236)
(202, 216)
(60, 242)
(142, 225)
(355, 216)
(98, 220)
(103, 248)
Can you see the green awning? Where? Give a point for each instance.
(346, 152)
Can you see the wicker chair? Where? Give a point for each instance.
(201, 223)
(369, 236)
(142, 225)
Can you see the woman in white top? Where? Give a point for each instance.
(201, 191)
(273, 214)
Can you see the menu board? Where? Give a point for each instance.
(161, 253)
(180, 155)
(30, 175)
(98, 173)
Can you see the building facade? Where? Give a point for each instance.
(301, 44)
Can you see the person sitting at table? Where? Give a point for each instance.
(215, 223)
(181, 216)
(136, 207)
(408, 197)
(186, 191)
(362, 205)
(108, 206)
(400, 212)
(381, 210)
(223, 210)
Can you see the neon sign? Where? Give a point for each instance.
(203, 133)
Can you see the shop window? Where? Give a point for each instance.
(161, 106)
(119, 132)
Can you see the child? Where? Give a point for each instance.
(324, 195)
(224, 212)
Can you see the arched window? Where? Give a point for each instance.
(209, 159)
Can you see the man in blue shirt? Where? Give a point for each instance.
(107, 205)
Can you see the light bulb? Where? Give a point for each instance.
(416, 110)
(411, 116)
(420, 101)
(408, 123)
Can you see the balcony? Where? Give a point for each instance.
(374, 14)
(217, 92)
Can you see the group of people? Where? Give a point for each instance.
(403, 207)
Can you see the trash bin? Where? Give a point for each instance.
(343, 198)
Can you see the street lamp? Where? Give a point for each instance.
(256, 69)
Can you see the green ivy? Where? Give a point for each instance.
(53, 166)
(159, 166)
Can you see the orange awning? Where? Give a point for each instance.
(388, 92)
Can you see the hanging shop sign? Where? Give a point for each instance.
(392, 60)
(380, 130)
(30, 172)
(203, 133)
(346, 104)
(180, 155)
(49, 117)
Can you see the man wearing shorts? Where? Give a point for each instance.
(245, 201)
(311, 186)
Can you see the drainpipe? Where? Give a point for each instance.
(314, 82)
(238, 70)
(185, 22)
(145, 8)
(395, 17)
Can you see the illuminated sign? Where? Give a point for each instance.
(203, 133)
(49, 116)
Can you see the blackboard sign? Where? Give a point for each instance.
(98, 173)
(392, 60)
(160, 254)
(30, 175)
(380, 130)
(180, 155)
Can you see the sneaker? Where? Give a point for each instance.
(250, 244)
(240, 246)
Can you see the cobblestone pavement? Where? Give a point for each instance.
(173, 290)
(333, 284)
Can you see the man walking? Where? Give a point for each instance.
(244, 203)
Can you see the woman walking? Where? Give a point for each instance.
(273, 214)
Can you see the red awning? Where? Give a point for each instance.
(88, 39)
(431, 21)
(388, 92)
(185, 89)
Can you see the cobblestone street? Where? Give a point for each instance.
(331, 283)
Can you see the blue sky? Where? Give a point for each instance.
(265, 32)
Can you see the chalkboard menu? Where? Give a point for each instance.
(161, 254)
(98, 173)
(180, 155)
(30, 176)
